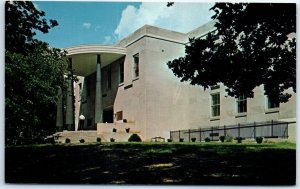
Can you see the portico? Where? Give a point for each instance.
(86, 61)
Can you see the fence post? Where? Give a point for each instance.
(224, 131)
(179, 136)
(272, 127)
(189, 135)
(200, 134)
(254, 130)
(239, 130)
(212, 136)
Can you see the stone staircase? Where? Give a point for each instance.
(118, 132)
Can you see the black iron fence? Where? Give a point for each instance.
(273, 129)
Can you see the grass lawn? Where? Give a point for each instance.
(153, 163)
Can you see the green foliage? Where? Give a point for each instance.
(228, 138)
(253, 44)
(98, 139)
(33, 75)
(207, 139)
(134, 138)
(239, 139)
(112, 140)
(81, 140)
(169, 140)
(22, 20)
(181, 139)
(193, 139)
(259, 140)
(222, 138)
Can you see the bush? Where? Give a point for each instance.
(207, 139)
(98, 139)
(67, 140)
(134, 138)
(114, 130)
(228, 139)
(239, 139)
(181, 139)
(222, 138)
(259, 140)
(81, 140)
(112, 140)
(169, 140)
(193, 139)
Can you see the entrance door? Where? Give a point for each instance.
(108, 116)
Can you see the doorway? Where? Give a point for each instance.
(108, 115)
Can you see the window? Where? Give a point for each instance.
(241, 104)
(119, 115)
(136, 65)
(121, 72)
(108, 78)
(215, 104)
(272, 103)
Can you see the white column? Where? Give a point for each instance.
(98, 93)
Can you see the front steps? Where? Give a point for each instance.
(107, 132)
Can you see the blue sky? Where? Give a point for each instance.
(108, 22)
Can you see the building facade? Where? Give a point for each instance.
(129, 85)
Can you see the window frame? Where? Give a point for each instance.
(121, 72)
(215, 108)
(241, 104)
(269, 102)
(136, 65)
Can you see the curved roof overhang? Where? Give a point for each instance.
(84, 57)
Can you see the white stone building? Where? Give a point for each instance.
(137, 90)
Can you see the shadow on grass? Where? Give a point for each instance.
(148, 163)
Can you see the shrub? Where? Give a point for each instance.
(222, 138)
(82, 140)
(112, 140)
(228, 139)
(259, 140)
(181, 139)
(67, 140)
(98, 139)
(239, 139)
(207, 139)
(169, 140)
(193, 139)
(114, 130)
(134, 138)
(127, 130)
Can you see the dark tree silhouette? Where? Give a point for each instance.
(253, 44)
(33, 74)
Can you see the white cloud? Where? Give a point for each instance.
(107, 39)
(86, 25)
(181, 17)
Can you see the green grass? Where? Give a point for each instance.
(211, 163)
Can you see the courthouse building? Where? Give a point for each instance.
(129, 85)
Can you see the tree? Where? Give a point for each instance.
(253, 44)
(33, 75)
(22, 20)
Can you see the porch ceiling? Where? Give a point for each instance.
(84, 57)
